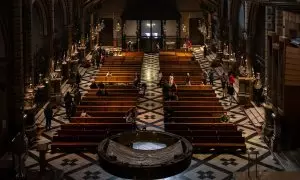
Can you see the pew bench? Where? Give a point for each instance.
(197, 113)
(97, 119)
(103, 108)
(109, 98)
(200, 126)
(194, 108)
(96, 126)
(109, 103)
(103, 113)
(191, 103)
(211, 119)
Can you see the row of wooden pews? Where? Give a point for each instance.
(197, 111)
(180, 63)
(106, 114)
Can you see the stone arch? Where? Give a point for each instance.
(40, 26)
(256, 33)
(60, 24)
(234, 19)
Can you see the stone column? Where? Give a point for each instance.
(16, 85)
(28, 60)
(70, 27)
(91, 32)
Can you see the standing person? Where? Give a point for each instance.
(157, 47)
(230, 92)
(231, 79)
(68, 102)
(159, 78)
(188, 79)
(211, 77)
(78, 79)
(77, 97)
(171, 79)
(48, 112)
(224, 83)
(204, 51)
(98, 59)
(205, 76)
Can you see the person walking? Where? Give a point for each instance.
(224, 83)
(98, 59)
(211, 77)
(205, 76)
(77, 97)
(188, 79)
(68, 103)
(78, 79)
(48, 112)
(204, 51)
(230, 93)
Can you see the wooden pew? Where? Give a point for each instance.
(108, 103)
(103, 108)
(194, 88)
(88, 132)
(194, 108)
(84, 142)
(192, 103)
(109, 98)
(197, 113)
(115, 79)
(200, 126)
(103, 113)
(196, 94)
(219, 144)
(193, 119)
(96, 126)
(115, 94)
(198, 98)
(104, 119)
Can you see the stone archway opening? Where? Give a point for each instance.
(60, 42)
(39, 39)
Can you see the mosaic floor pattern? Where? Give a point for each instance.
(83, 166)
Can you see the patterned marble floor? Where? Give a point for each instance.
(82, 166)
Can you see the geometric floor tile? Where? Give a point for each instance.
(150, 117)
(91, 172)
(201, 156)
(205, 172)
(69, 162)
(253, 148)
(229, 162)
(150, 105)
(271, 161)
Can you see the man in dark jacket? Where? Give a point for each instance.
(48, 112)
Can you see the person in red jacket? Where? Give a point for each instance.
(231, 79)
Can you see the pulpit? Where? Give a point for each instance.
(245, 93)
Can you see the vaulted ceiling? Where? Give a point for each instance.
(90, 5)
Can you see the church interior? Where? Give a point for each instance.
(149, 89)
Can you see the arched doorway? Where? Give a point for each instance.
(151, 34)
(257, 46)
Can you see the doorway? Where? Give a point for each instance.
(151, 34)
